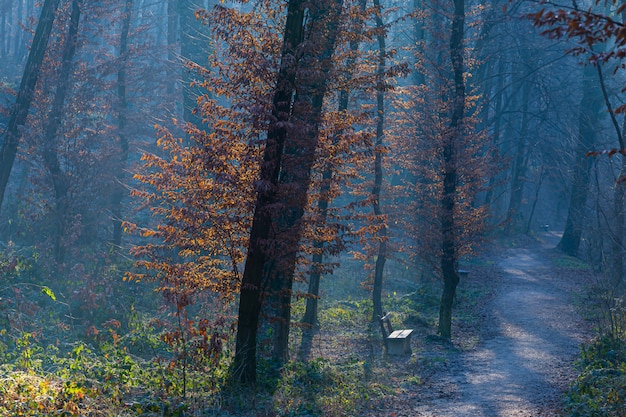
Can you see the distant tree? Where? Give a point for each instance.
(194, 49)
(601, 39)
(122, 108)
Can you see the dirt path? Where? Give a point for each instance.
(524, 362)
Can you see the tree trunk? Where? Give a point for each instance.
(172, 31)
(310, 313)
(497, 120)
(378, 167)
(26, 92)
(51, 143)
(272, 255)
(618, 239)
(192, 53)
(300, 155)
(19, 32)
(455, 132)
(616, 269)
(587, 127)
(514, 219)
(119, 188)
(5, 9)
(244, 364)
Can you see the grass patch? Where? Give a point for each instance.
(569, 262)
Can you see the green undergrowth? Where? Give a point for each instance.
(110, 379)
(600, 389)
(78, 346)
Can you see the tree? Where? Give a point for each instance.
(8, 150)
(120, 188)
(285, 176)
(446, 158)
(50, 145)
(449, 257)
(193, 53)
(378, 163)
(330, 175)
(587, 127)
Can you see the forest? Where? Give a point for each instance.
(206, 207)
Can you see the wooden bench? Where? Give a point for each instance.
(397, 342)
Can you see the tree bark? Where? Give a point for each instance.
(455, 132)
(19, 113)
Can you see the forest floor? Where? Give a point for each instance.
(526, 341)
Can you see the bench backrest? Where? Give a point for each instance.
(385, 325)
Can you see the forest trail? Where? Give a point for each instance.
(524, 362)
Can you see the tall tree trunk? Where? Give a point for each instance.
(300, 154)
(19, 32)
(451, 137)
(244, 364)
(310, 313)
(5, 9)
(618, 239)
(26, 92)
(272, 255)
(50, 146)
(119, 190)
(590, 104)
(378, 166)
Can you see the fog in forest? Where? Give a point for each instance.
(227, 207)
